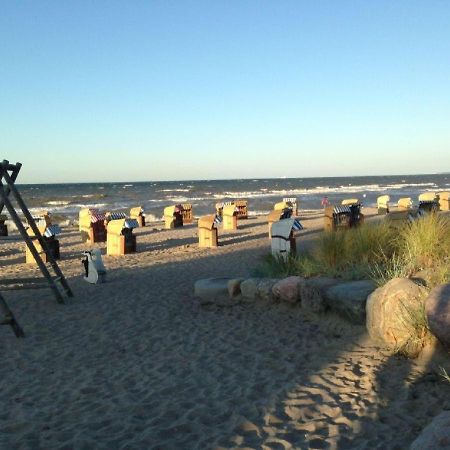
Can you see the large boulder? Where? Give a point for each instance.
(249, 288)
(391, 311)
(312, 293)
(264, 288)
(437, 309)
(288, 289)
(436, 435)
(349, 299)
(213, 290)
(234, 287)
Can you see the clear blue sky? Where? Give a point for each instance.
(153, 90)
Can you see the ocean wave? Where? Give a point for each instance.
(173, 190)
(58, 202)
(151, 218)
(324, 190)
(186, 199)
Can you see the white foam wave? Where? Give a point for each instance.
(58, 202)
(173, 190)
(323, 190)
(186, 199)
(151, 218)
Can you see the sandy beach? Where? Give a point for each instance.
(138, 363)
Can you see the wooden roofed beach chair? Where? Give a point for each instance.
(276, 215)
(383, 204)
(120, 237)
(137, 213)
(444, 201)
(92, 225)
(343, 216)
(188, 214)
(282, 240)
(242, 208)
(207, 230)
(294, 202)
(283, 205)
(95, 271)
(48, 232)
(429, 202)
(405, 203)
(173, 217)
(230, 217)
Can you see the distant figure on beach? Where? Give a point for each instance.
(325, 202)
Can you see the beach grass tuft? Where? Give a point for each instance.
(376, 251)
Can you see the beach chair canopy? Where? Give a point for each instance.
(117, 226)
(52, 230)
(350, 201)
(115, 216)
(208, 222)
(444, 196)
(405, 202)
(383, 200)
(283, 228)
(229, 210)
(282, 205)
(91, 215)
(172, 210)
(136, 211)
(338, 209)
(428, 197)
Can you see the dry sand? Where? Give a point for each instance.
(137, 363)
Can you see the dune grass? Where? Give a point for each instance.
(375, 251)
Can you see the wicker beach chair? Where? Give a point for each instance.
(444, 201)
(48, 232)
(207, 230)
(283, 240)
(383, 204)
(120, 238)
(137, 213)
(429, 202)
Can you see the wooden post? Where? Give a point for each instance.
(9, 318)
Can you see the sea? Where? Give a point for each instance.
(64, 201)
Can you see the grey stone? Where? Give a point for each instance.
(312, 293)
(435, 435)
(234, 287)
(389, 310)
(264, 288)
(437, 309)
(288, 289)
(249, 288)
(212, 290)
(349, 299)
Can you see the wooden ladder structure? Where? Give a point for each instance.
(8, 176)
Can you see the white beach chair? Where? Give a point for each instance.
(93, 266)
(282, 239)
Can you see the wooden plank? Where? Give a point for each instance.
(42, 241)
(27, 239)
(9, 318)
